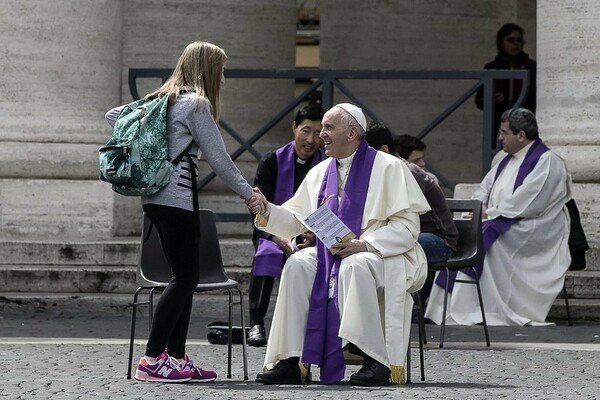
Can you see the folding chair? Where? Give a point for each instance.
(154, 274)
(469, 252)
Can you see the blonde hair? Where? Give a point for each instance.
(199, 68)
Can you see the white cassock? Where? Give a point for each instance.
(379, 325)
(524, 269)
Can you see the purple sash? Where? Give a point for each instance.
(269, 258)
(322, 345)
(492, 229)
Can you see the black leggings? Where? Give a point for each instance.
(177, 230)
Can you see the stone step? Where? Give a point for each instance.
(69, 305)
(580, 309)
(47, 208)
(121, 279)
(84, 278)
(583, 284)
(115, 252)
(236, 251)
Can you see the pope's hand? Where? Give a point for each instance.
(257, 204)
(352, 247)
(308, 239)
(284, 244)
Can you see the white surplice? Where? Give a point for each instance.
(378, 324)
(524, 269)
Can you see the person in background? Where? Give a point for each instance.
(278, 175)
(510, 40)
(194, 107)
(525, 234)
(439, 235)
(411, 149)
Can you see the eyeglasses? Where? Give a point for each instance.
(514, 39)
(502, 132)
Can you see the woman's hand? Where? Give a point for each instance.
(257, 204)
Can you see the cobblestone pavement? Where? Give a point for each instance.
(48, 356)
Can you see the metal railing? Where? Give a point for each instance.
(327, 81)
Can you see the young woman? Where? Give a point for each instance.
(194, 107)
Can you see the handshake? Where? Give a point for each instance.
(257, 204)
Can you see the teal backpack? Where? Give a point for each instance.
(136, 158)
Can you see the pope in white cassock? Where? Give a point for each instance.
(359, 299)
(526, 234)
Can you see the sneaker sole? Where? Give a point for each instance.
(160, 380)
(203, 380)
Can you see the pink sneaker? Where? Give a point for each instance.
(164, 369)
(199, 374)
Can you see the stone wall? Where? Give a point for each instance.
(409, 35)
(60, 72)
(66, 62)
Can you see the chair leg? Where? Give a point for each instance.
(421, 314)
(485, 327)
(244, 345)
(150, 309)
(408, 367)
(132, 333)
(422, 339)
(422, 357)
(566, 296)
(230, 332)
(408, 353)
(443, 328)
(230, 335)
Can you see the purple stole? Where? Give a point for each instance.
(269, 258)
(492, 229)
(322, 345)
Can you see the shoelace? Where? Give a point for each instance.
(174, 363)
(191, 364)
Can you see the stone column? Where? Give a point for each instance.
(431, 35)
(66, 63)
(568, 102)
(60, 72)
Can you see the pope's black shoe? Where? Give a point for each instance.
(284, 372)
(257, 336)
(372, 373)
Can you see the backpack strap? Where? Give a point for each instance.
(177, 159)
(195, 199)
(193, 187)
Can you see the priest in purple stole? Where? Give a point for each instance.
(358, 299)
(525, 235)
(278, 175)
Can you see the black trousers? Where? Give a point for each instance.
(178, 233)
(259, 295)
